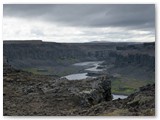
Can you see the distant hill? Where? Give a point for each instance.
(22, 41)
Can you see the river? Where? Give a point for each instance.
(90, 66)
(119, 96)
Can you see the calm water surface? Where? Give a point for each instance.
(92, 66)
(119, 96)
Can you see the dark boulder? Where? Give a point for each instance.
(101, 91)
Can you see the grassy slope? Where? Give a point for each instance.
(129, 78)
(127, 86)
(56, 70)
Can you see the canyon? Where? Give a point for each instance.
(35, 78)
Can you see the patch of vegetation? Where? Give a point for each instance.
(117, 112)
(66, 60)
(56, 70)
(126, 86)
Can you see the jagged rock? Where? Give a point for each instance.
(100, 92)
(94, 73)
(141, 103)
(106, 86)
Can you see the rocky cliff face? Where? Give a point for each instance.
(37, 53)
(134, 59)
(134, 55)
(26, 54)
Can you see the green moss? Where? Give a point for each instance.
(123, 85)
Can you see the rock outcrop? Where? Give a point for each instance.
(141, 103)
(101, 91)
(28, 94)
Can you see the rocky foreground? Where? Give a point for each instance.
(33, 95)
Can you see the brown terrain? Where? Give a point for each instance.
(28, 94)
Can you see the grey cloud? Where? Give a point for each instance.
(37, 32)
(130, 16)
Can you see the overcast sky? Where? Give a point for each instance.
(79, 23)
